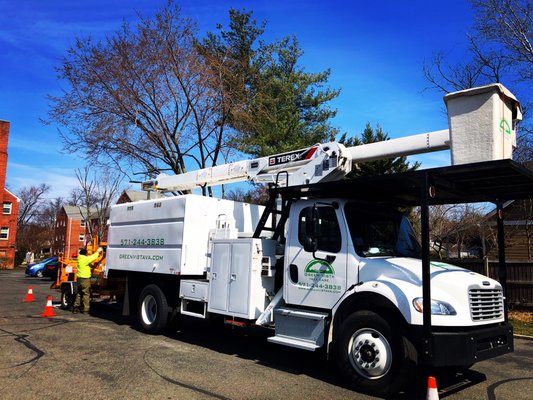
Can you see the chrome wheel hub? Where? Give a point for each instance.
(369, 353)
(149, 310)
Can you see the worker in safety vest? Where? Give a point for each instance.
(83, 278)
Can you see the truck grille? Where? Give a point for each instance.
(485, 304)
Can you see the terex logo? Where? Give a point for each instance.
(291, 157)
(285, 158)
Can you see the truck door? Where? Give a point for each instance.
(315, 277)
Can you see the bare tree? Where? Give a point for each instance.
(468, 221)
(31, 198)
(76, 197)
(32, 234)
(458, 227)
(446, 78)
(48, 212)
(97, 193)
(47, 216)
(505, 27)
(143, 96)
(441, 226)
(156, 96)
(500, 50)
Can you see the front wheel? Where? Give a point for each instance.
(370, 356)
(153, 309)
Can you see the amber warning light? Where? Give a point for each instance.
(149, 185)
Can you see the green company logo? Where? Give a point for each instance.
(505, 127)
(319, 267)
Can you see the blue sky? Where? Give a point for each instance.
(375, 50)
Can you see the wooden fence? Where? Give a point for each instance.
(519, 277)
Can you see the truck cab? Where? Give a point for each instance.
(358, 277)
(338, 248)
(333, 243)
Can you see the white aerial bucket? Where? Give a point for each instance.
(482, 123)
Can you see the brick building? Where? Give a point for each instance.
(71, 225)
(69, 235)
(10, 207)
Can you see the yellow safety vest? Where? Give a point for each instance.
(84, 269)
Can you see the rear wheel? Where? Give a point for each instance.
(370, 356)
(153, 309)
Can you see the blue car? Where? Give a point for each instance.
(38, 269)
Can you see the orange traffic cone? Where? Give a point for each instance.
(433, 393)
(29, 295)
(49, 309)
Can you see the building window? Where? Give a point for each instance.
(4, 234)
(6, 210)
(82, 223)
(82, 237)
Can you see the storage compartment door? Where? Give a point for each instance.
(219, 285)
(239, 295)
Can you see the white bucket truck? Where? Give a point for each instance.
(331, 264)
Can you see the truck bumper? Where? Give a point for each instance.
(462, 348)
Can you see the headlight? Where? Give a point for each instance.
(437, 307)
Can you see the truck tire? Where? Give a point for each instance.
(153, 309)
(373, 359)
(67, 298)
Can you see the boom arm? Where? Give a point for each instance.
(482, 127)
(320, 163)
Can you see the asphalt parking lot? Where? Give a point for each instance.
(103, 356)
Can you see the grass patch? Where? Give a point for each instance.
(522, 322)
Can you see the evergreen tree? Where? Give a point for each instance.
(377, 167)
(274, 105)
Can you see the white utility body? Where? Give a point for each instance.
(326, 264)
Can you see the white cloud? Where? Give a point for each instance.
(60, 180)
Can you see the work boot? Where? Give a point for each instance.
(75, 310)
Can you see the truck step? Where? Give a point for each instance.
(292, 342)
(193, 298)
(299, 328)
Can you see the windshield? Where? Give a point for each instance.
(380, 234)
